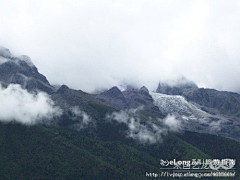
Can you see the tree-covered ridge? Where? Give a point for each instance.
(44, 152)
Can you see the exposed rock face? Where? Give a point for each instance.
(68, 98)
(194, 117)
(201, 110)
(144, 90)
(114, 92)
(226, 103)
(113, 97)
(63, 90)
(222, 108)
(177, 87)
(22, 71)
(130, 98)
(210, 100)
(137, 98)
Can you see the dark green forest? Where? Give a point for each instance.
(51, 152)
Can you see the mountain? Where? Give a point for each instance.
(226, 103)
(195, 118)
(113, 97)
(210, 100)
(130, 98)
(201, 109)
(67, 98)
(20, 70)
(115, 134)
(176, 87)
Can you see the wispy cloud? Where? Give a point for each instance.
(172, 123)
(3, 60)
(145, 131)
(82, 117)
(216, 125)
(17, 104)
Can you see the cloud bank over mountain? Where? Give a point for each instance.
(19, 105)
(95, 44)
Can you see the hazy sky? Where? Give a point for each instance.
(89, 44)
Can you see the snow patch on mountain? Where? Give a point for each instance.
(176, 104)
(191, 117)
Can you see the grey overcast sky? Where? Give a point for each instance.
(90, 44)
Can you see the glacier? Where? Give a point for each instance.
(177, 105)
(191, 117)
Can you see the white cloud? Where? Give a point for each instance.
(3, 60)
(147, 131)
(98, 44)
(172, 123)
(216, 125)
(17, 104)
(83, 117)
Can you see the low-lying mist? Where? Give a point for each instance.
(145, 131)
(17, 104)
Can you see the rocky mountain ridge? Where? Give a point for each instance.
(198, 109)
(20, 70)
